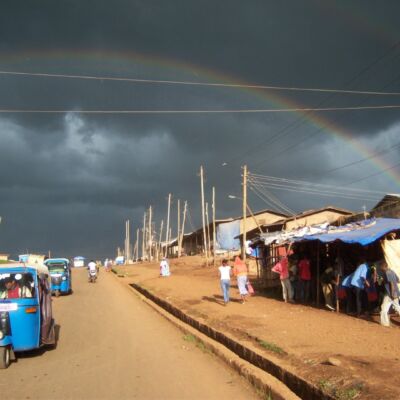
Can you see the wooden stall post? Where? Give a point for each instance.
(318, 266)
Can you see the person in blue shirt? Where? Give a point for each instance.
(360, 282)
(346, 283)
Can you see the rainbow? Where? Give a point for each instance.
(207, 75)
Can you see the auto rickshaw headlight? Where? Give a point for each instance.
(64, 278)
(1, 335)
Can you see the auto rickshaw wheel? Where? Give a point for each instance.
(4, 357)
(57, 293)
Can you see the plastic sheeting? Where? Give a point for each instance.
(391, 249)
(365, 234)
(226, 233)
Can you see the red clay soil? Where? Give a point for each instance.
(302, 338)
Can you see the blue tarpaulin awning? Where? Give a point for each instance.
(363, 235)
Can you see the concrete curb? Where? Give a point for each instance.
(267, 385)
(297, 385)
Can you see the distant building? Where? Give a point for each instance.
(4, 257)
(31, 258)
(388, 207)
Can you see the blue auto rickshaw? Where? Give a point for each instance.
(60, 274)
(26, 320)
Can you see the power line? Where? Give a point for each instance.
(265, 179)
(300, 121)
(375, 174)
(232, 111)
(320, 193)
(271, 199)
(383, 151)
(210, 84)
(312, 135)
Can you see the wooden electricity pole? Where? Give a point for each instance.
(144, 238)
(213, 217)
(127, 241)
(182, 230)
(159, 249)
(150, 235)
(244, 211)
(167, 230)
(202, 213)
(137, 245)
(179, 226)
(208, 230)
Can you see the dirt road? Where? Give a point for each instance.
(113, 346)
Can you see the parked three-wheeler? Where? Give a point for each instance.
(60, 273)
(26, 320)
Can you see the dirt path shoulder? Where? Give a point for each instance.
(346, 357)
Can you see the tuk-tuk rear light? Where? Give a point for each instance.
(31, 310)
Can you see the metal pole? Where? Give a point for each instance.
(144, 238)
(214, 234)
(244, 211)
(150, 234)
(183, 226)
(202, 213)
(179, 226)
(167, 230)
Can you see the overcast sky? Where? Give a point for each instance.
(68, 181)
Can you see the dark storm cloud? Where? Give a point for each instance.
(85, 174)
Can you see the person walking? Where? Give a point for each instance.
(328, 283)
(391, 295)
(304, 269)
(164, 267)
(360, 283)
(225, 279)
(281, 268)
(240, 271)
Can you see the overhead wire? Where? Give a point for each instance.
(319, 189)
(265, 110)
(292, 146)
(320, 193)
(374, 174)
(253, 176)
(383, 151)
(302, 119)
(265, 200)
(272, 198)
(194, 83)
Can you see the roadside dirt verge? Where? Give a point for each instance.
(338, 356)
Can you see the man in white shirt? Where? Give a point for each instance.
(92, 268)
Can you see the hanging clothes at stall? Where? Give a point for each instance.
(391, 249)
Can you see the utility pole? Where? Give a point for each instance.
(179, 225)
(167, 230)
(159, 250)
(244, 211)
(127, 241)
(202, 213)
(182, 230)
(144, 237)
(170, 236)
(137, 245)
(213, 216)
(150, 234)
(208, 230)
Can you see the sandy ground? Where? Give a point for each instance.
(113, 346)
(367, 353)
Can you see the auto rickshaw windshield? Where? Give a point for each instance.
(56, 268)
(16, 285)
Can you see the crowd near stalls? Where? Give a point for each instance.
(343, 267)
